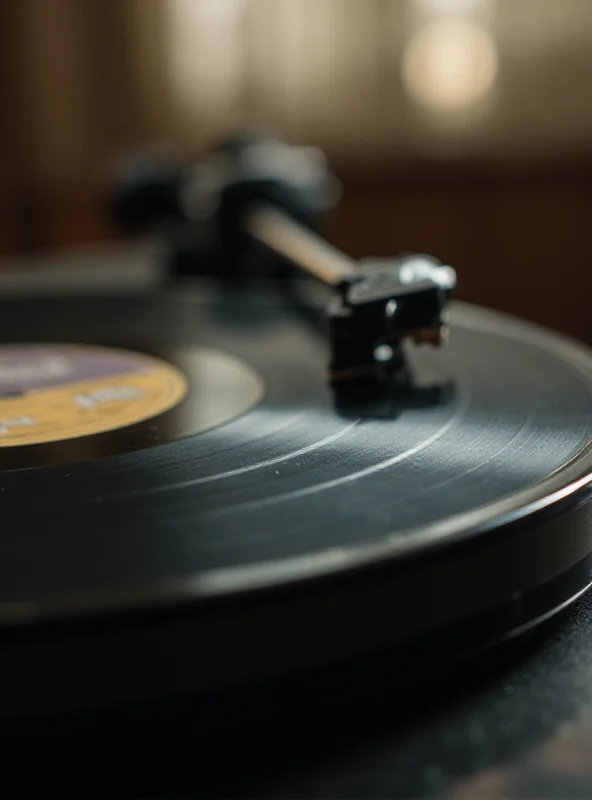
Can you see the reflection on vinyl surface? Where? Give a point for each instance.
(492, 414)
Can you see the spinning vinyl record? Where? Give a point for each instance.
(187, 506)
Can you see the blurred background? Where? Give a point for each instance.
(462, 128)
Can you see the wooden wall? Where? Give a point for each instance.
(521, 241)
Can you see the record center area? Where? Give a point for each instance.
(52, 393)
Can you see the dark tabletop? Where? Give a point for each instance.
(515, 722)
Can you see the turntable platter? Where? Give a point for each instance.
(299, 528)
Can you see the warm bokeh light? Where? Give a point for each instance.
(450, 6)
(205, 53)
(449, 65)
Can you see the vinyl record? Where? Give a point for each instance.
(187, 506)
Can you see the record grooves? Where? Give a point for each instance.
(300, 528)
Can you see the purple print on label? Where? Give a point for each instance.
(26, 368)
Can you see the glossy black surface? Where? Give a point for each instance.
(506, 413)
(311, 530)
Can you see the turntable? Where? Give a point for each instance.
(275, 467)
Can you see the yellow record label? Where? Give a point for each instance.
(53, 392)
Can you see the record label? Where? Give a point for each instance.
(49, 393)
